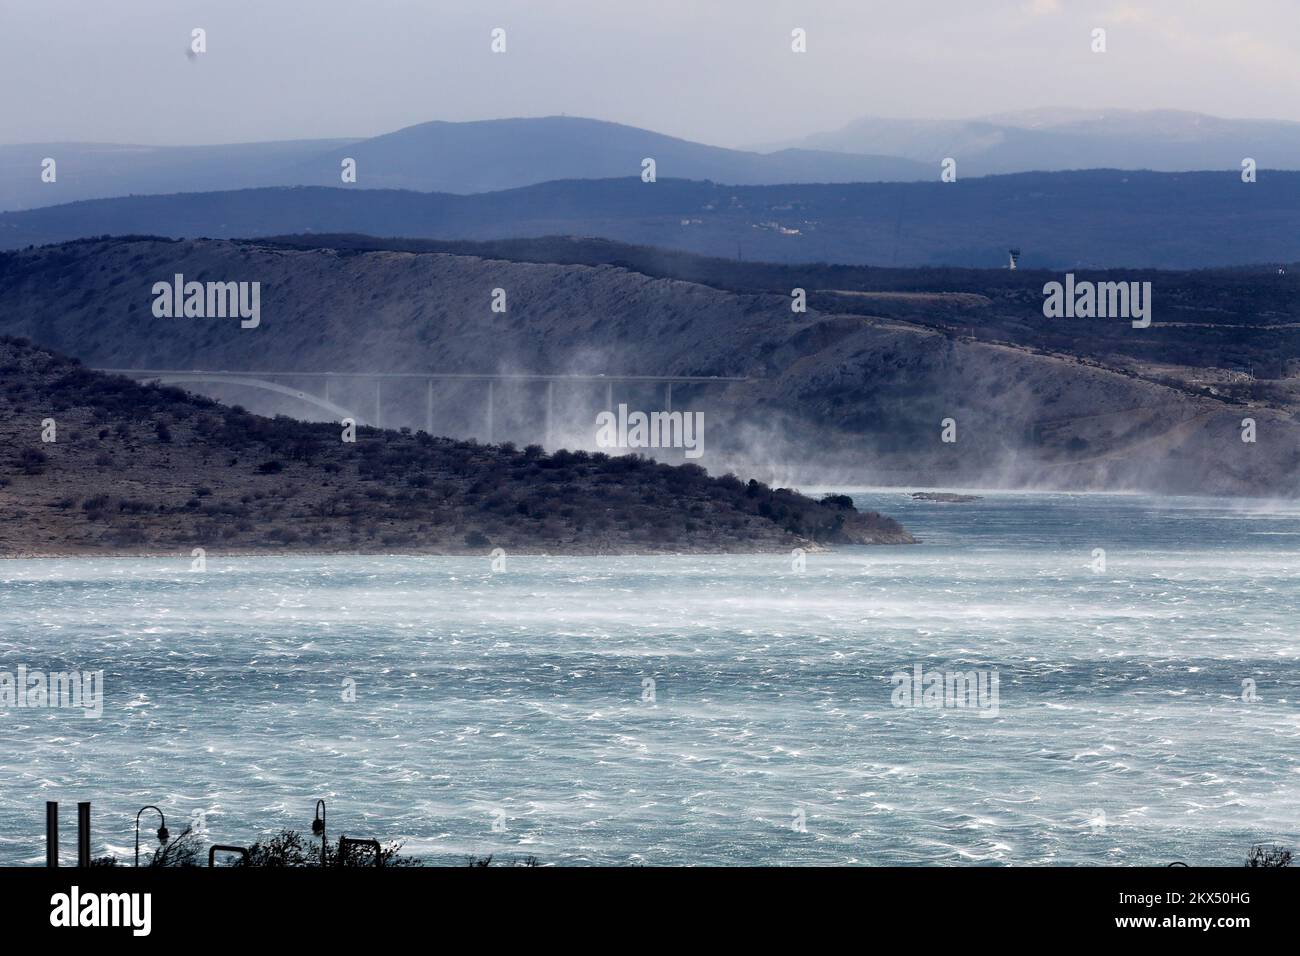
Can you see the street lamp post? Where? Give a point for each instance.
(162, 830)
(318, 828)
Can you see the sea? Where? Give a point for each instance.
(1045, 679)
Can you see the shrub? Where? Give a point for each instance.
(477, 861)
(185, 850)
(288, 848)
(32, 461)
(843, 502)
(1269, 855)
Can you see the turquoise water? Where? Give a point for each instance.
(503, 712)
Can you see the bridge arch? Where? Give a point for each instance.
(180, 378)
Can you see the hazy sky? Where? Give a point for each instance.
(718, 71)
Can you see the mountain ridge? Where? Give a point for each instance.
(1089, 219)
(855, 390)
(434, 156)
(1053, 140)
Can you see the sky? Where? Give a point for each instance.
(715, 71)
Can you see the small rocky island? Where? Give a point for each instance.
(96, 464)
(944, 496)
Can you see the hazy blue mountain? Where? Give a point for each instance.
(1163, 140)
(100, 170)
(442, 157)
(491, 155)
(1088, 219)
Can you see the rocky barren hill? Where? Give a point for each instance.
(144, 469)
(854, 390)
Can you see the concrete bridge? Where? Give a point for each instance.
(322, 397)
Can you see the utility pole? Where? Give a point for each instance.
(51, 833)
(83, 834)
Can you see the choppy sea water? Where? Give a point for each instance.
(508, 713)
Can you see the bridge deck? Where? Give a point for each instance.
(421, 376)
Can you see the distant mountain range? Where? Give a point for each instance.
(431, 157)
(1161, 140)
(493, 155)
(1073, 219)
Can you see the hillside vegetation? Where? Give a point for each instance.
(136, 469)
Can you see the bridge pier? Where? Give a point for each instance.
(428, 407)
(379, 413)
(490, 411)
(550, 401)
